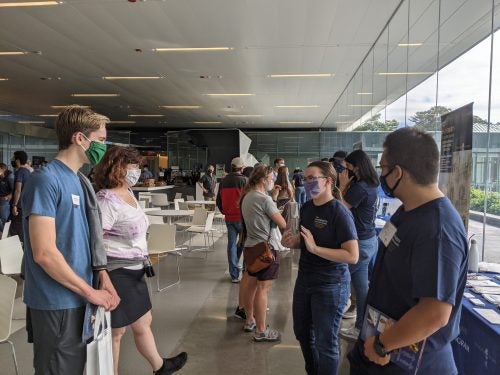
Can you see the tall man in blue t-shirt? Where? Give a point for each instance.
(21, 175)
(60, 245)
(421, 267)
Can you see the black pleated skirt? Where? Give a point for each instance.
(133, 292)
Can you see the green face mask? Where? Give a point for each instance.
(95, 152)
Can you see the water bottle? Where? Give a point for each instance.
(473, 257)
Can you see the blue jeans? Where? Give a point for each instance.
(359, 275)
(300, 195)
(233, 250)
(4, 212)
(317, 313)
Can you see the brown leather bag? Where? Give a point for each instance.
(258, 257)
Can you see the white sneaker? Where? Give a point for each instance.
(350, 312)
(350, 334)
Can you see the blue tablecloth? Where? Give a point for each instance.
(477, 348)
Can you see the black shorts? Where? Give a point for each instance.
(271, 272)
(57, 341)
(134, 296)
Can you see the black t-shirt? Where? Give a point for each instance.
(6, 185)
(208, 182)
(298, 179)
(427, 257)
(363, 199)
(331, 224)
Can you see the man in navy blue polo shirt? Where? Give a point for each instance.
(421, 266)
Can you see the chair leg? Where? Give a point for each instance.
(13, 354)
(159, 289)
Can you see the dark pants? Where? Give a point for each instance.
(16, 225)
(317, 313)
(57, 341)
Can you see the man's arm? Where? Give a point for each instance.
(421, 321)
(42, 232)
(17, 194)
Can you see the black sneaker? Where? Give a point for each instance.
(240, 313)
(171, 365)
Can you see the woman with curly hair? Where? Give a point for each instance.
(125, 226)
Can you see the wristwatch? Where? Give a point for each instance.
(379, 347)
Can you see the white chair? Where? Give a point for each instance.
(11, 255)
(8, 288)
(161, 242)
(146, 197)
(183, 206)
(189, 198)
(142, 204)
(178, 196)
(159, 200)
(153, 219)
(199, 218)
(6, 227)
(176, 202)
(206, 230)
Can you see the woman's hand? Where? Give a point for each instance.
(344, 181)
(290, 240)
(308, 240)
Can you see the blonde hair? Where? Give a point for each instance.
(74, 119)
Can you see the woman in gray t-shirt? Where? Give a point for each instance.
(259, 213)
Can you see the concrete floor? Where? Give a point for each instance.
(196, 316)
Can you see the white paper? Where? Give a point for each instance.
(481, 283)
(490, 315)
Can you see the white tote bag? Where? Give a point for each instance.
(100, 350)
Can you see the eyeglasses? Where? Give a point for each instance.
(313, 178)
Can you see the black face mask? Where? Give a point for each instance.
(13, 163)
(383, 184)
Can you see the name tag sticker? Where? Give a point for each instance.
(387, 233)
(75, 199)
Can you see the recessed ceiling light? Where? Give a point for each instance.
(364, 93)
(180, 106)
(31, 122)
(410, 44)
(344, 115)
(244, 115)
(343, 122)
(192, 49)
(295, 122)
(48, 115)
(404, 73)
(111, 78)
(29, 4)
(296, 106)
(146, 115)
(69, 105)
(207, 122)
(4, 79)
(229, 94)
(94, 95)
(12, 53)
(312, 75)
(121, 122)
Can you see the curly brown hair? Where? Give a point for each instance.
(111, 171)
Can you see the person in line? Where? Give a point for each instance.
(228, 199)
(298, 185)
(207, 183)
(359, 191)
(421, 267)
(6, 190)
(21, 175)
(328, 242)
(247, 171)
(278, 162)
(286, 192)
(259, 213)
(63, 245)
(146, 173)
(125, 226)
